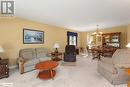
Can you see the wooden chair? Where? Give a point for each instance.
(95, 53)
(89, 51)
(108, 51)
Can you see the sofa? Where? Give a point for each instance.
(30, 56)
(113, 69)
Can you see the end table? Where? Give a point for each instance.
(56, 56)
(4, 68)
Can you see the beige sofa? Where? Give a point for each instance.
(113, 68)
(30, 56)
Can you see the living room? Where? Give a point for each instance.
(56, 31)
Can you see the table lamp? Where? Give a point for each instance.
(1, 50)
(128, 45)
(56, 46)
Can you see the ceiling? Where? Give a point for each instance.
(81, 15)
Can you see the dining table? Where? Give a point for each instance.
(102, 51)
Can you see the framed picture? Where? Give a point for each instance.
(33, 36)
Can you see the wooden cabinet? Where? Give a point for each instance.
(4, 70)
(111, 39)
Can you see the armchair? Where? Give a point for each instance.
(112, 68)
(70, 53)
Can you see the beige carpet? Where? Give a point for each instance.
(83, 74)
(68, 63)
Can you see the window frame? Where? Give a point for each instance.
(71, 34)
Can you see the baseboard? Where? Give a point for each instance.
(13, 67)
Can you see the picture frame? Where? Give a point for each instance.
(33, 36)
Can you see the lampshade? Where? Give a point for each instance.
(56, 45)
(1, 49)
(128, 45)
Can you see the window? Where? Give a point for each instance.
(72, 38)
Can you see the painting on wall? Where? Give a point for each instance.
(33, 36)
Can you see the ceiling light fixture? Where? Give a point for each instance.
(97, 33)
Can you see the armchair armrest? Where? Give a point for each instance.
(123, 66)
(69, 54)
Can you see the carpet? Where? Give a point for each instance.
(84, 74)
(68, 63)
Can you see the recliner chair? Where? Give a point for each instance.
(70, 53)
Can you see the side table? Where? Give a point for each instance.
(56, 56)
(4, 68)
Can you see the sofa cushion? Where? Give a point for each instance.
(108, 67)
(30, 68)
(31, 62)
(41, 52)
(44, 59)
(28, 53)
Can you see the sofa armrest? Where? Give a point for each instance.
(21, 60)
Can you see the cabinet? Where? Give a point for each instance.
(111, 39)
(4, 69)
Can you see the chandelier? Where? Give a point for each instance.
(97, 33)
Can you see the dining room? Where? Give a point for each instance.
(104, 42)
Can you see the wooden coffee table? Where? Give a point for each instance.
(46, 69)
